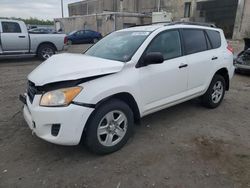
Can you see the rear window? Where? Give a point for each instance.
(194, 41)
(215, 38)
(11, 27)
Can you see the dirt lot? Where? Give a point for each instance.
(180, 147)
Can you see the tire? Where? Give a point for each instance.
(70, 42)
(215, 93)
(45, 51)
(95, 40)
(101, 134)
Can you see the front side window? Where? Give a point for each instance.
(168, 43)
(119, 46)
(194, 41)
(11, 27)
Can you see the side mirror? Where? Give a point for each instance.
(153, 58)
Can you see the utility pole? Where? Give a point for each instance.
(159, 5)
(62, 8)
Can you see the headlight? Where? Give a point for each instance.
(60, 97)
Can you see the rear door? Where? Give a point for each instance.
(214, 39)
(200, 57)
(87, 36)
(13, 39)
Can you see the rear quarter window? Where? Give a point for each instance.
(215, 38)
(194, 41)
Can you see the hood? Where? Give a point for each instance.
(64, 67)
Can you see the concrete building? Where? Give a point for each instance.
(106, 16)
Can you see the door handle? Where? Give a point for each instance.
(214, 58)
(21, 36)
(183, 66)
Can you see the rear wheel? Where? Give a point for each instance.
(95, 40)
(45, 51)
(215, 93)
(110, 127)
(70, 42)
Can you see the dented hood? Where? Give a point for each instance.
(67, 66)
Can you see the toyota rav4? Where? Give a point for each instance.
(99, 95)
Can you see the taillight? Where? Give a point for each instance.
(65, 40)
(230, 48)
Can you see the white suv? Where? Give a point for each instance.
(97, 96)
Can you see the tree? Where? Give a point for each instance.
(32, 21)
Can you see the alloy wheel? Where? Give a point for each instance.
(112, 128)
(217, 92)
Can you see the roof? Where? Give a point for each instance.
(149, 28)
(10, 20)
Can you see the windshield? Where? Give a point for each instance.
(119, 46)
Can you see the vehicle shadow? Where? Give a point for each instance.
(19, 61)
(165, 117)
(243, 73)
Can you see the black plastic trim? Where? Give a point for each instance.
(22, 98)
(84, 104)
(39, 90)
(64, 84)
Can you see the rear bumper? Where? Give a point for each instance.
(65, 48)
(72, 120)
(242, 67)
(231, 72)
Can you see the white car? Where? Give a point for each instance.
(99, 95)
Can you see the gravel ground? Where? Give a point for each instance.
(180, 147)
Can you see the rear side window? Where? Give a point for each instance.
(11, 27)
(89, 32)
(194, 41)
(168, 43)
(215, 38)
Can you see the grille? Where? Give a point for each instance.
(55, 129)
(32, 91)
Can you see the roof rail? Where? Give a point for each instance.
(151, 24)
(192, 23)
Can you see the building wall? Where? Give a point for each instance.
(235, 21)
(102, 23)
(242, 22)
(176, 7)
(220, 12)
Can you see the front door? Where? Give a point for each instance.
(13, 39)
(164, 83)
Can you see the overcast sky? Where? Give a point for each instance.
(43, 9)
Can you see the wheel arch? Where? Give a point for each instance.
(46, 43)
(224, 73)
(128, 99)
(123, 96)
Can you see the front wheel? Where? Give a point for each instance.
(110, 127)
(215, 93)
